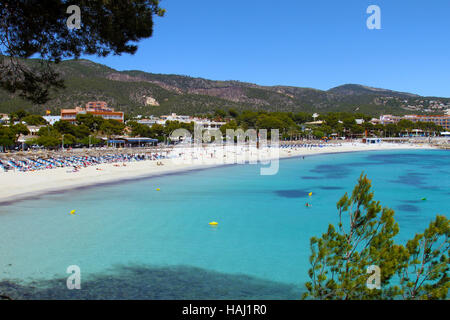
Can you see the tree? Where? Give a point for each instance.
(112, 127)
(18, 115)
(318, 134)
(48, 131)
(7, 137)
(65, 127)
(233, 113)
(269, 122)
(426, 275)
(341, 256)
(406, 124)
(139, 130)
(302, 117)
(19, 129)
(34, 120)
(232, 125)
(90, 141)
(247, 119)
(157, 131)
(220, 114)
(47, 141)
(39, 28)
(92, 122)
(392, 129)
(68, 140)
(326, 129)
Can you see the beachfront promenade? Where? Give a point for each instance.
(76, 159)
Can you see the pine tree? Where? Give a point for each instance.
(365, 237)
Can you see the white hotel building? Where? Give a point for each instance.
(205, 123)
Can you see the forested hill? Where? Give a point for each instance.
(137, 92)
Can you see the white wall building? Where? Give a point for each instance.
(205, 123)
(52, 119)
(4, 118)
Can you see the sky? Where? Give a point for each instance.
(315, 43)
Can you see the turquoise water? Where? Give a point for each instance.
(132, 241)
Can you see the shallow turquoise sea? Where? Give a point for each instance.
(133, 242)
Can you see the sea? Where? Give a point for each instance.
(151, 238)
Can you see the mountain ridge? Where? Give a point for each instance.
(139, 92)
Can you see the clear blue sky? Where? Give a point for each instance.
(307, 43)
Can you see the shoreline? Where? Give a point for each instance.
(19, 186)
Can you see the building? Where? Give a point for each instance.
(206, 124)
(52, 119)
(131, 142)
(149, 121)
(175, 117)
(97, 105)
(389, 119)
(4, 118)
(440, 120)
(371, 140)
(314, 123)
(96, 108)
(34, 130)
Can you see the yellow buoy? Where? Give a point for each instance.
(73, 212)
(213, 223)
(158, 189)
(310, 194)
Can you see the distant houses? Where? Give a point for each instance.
(439, 120)
(51, 120)
(96, 108)
(162, 120)
(4, 118)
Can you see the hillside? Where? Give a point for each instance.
(137, 92)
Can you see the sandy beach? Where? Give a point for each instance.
(20, 185)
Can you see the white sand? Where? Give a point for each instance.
(17, 185)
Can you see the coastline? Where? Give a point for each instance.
(17, 186)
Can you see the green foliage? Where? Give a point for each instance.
(7, 136)
(48, 131)
(39, 28)
(171, 126)
(247, 119)
(87, 141)
(426, 275)
(18, 115)
(232, 125)
(34, 120)
(318, 134)
(52, 136)
(112, 127)
(139, 130)
(268, 122)
(365, 237)
(233, 113)
(79, 131)
(127, 91)
(47, 141)
(93, 123)
(302, 117)
(157, 132)
(220, 114)
(19, 129)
